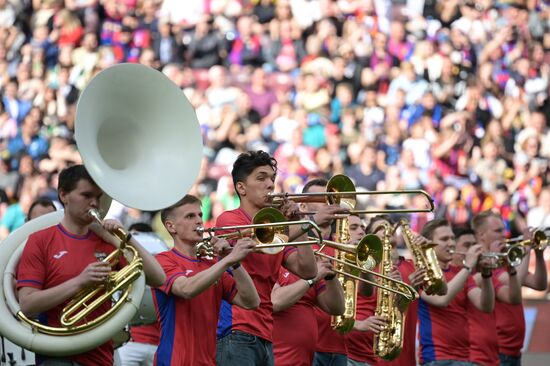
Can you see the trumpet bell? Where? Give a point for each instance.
(540, 240)
(134, 125)
(515, 255)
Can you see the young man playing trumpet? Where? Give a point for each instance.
(60, 261)
(189, 302)
(443, 320)
(501, 336)
(245, 336)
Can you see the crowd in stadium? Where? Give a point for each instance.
(447, 96)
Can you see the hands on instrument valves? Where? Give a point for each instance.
(509, 253)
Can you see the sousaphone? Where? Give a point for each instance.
(140, 140)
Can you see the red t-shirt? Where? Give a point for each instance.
(264, 271)
(483, 333)
(510, 327)
(443, 331)
(407, 357)
(188, 335)
(295, 329)
(360, 344)
(148, 334)
(53, 256)
(328, 340)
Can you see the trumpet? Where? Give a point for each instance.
(341, 191)
(538, 242)
(512, 256)
(269, 228)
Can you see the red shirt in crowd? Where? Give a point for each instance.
(295, 328)
(188, 335)
(443, 331)
(53, 256)
(264, 271)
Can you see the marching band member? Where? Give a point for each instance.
(404, 268)
(294, 303)
(245, 336)
(499, 338)
(443, 320)
(188, 303)
(61, 260)
(415, 278)
(359, 341)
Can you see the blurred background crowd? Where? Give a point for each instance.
(449, 96)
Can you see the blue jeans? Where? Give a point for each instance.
(448, 363)
(329, 359)
(506, 360)
(243, 349)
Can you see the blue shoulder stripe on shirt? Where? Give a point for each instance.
(166, 307)
(425, 329)
(30, 281)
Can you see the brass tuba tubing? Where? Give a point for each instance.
(79, 308)
(410, 294)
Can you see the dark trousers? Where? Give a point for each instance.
(243, 349)
(329, 359)
(506, 360)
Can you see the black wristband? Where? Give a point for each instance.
(235, 266)
(513, 273)
(330, 277)
(487, 275)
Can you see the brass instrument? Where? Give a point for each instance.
(114, 143)
(511, 256)
(344, 323)
(389, 342)
(74, 314)
(367, 253)
(538, 242)
(269, 228)
(341, 190)
(424, 257)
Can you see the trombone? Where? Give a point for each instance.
(341, 190)
(368, 253)
(269, 229)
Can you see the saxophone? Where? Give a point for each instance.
(389, 342)
(344, 323)
(424, 258)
